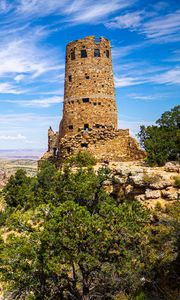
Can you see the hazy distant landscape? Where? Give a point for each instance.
(12, 160)
(9, 167)
(33, 154)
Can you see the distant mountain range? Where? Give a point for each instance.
(34, 154)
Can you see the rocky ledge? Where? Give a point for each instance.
(150, 185)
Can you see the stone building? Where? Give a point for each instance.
(89, 114)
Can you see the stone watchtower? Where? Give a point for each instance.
(89, 97)
(89, 120)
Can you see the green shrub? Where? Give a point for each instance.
(141, 296)
(82, 159)
(161, 141)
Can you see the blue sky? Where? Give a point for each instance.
(33, 34)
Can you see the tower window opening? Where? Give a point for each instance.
(107, 53)
(70, 78)
(85, 100)
(86, 127)
(55, 151)
(97, 126)
(83, 53)
(94, 103)
(96, 52)
(87, 77)
(68, 149)
(84, 46)
(99, 103)
(84, 145)
(70, 127)
(73, 56)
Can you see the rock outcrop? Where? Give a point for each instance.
(149, 185)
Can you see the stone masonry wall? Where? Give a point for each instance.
(105, 144)
(89, 98)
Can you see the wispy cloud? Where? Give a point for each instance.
(145, 73)
(22, 58)
(19, 136)
(163, 28)
(141, 97)
(38, 103)
(93, 12)
(72, 12)
(169, 77)
(21, 129)
(128, 81)
(8, 88)
(130, 20)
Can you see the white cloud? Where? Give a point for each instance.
(129, 20)
(19, 77)
(43, 103)
(19, 136)
(7, 88)
(142, 97)
(163, 28)
(95, 12)
(4, 6)
(70, 12)
(32, 126)
(161, 5)
(127, 81)
(169, 77)
(144, 74)
(24, 57)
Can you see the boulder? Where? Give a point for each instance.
(172, 167)
(152, 194)
(140, 197)
(138, 179)
(171, 193)
(108, 187)
(161, 182)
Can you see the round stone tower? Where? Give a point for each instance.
(89, 96)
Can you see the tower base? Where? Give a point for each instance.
(105, 144)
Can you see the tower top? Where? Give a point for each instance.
(91, 38)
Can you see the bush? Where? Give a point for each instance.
(82, 159)
(162, 141)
